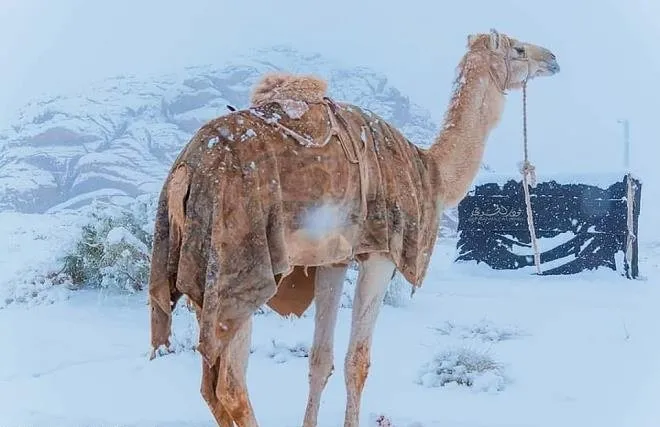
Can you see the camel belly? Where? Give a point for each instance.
(308, 248)
(311, 251)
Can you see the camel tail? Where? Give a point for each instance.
(163, 293)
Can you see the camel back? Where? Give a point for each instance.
(259, 194)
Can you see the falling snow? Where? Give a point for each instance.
(226, 133)
(294, 109)
(250, 133)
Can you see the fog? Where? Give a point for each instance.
(606, 50)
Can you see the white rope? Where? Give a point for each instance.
(630, 238)
(529, 179)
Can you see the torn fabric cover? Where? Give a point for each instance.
(258, 195)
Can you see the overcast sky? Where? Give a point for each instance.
(607, 51)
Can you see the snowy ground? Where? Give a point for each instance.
(570, 351)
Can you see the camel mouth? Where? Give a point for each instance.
(549, 68)
(553, 66)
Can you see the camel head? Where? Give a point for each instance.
(512, 62)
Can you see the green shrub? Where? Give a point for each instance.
(114, 248)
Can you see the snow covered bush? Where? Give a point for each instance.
(483, 330)
(39, 289)
(114, 248)
(463, 367)
(383, 420)
(397, 294)
(185, 330)
(398, 291)
(281, 352)
(380, 421)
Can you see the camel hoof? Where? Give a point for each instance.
(162, 350)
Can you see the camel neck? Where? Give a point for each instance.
(475, 108)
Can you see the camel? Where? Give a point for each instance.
(270, 204)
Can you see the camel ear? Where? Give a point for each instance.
(470, 39)
(494, 39)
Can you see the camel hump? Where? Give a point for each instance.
(275, 87)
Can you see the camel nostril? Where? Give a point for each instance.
(553, 67)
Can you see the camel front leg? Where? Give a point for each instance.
(375, 274)
(329, 284)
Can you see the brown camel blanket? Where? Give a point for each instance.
(259, 197)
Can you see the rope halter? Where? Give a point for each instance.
(506, 56)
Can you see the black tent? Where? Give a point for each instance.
(579, 226)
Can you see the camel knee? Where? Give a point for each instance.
(321, 364)
(358, 361)
(232, 395)
(237, 408)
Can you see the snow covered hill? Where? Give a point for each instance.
(118, 139)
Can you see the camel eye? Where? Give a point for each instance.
(520, 51)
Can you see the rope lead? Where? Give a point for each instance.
(529, 179)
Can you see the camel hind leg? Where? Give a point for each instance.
(375, 274)
(209, 381)
(225, 387)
